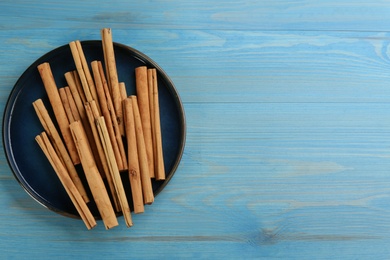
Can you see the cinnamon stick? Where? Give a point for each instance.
(87, 73)
(142, 156)
(152, 121)
(80, 70)
(55, 137)
(77, 94)
(59, 111)
(112, 74)
(65, 103)
(106, 109)
(156, 129)
(123, 91)
(72, 104)
(123, 94)
(79, 86)
(141, 79)
(113, 170)
(93, 115)
(132, 153)
(151, 106)
(93, 177)
(115, 136)
(72, 191)
(99, 154)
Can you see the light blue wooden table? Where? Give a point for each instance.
(288, 126)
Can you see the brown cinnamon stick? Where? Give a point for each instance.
(55, 137)
(112, 74)
(93, 115)
(132, 153)
(123, 94)
(93, 177)
(115, 136)
(87, 73)
(123, 91)
(77, 93)
(107, 110)
(67, 183)
(151, 107)
(79, 86)
(113, 170)
(72, 104)
(59, 111)
(100, 159)
(141, 78)
(65, 103)
(80, 70)
(142, 156)
(156, 128)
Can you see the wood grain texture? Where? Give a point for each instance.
(287, 152)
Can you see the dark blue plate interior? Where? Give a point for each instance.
(21, 125)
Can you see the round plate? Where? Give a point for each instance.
(21, 124)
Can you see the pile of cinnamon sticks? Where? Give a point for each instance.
(109, 132)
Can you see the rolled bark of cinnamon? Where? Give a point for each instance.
(147, 189)
(112, 74)
(80, 71)
(109, 115)
(123, 91)
(114, 171)
(93, 177)
(132, 153)
(151, 108)
(59, 146)
(72, 191)
(58, 109)
(87, 73)
(79, 86)
(72, 104)
(77, 93)
(156, 130)
(92, 113)
(65, 103)
(77, 96)
(141, 80)
(115, 123)
(90, 109)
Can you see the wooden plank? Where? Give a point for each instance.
(286, 15)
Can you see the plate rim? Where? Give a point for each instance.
(15, 91)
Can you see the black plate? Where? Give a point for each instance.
(21, 125)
